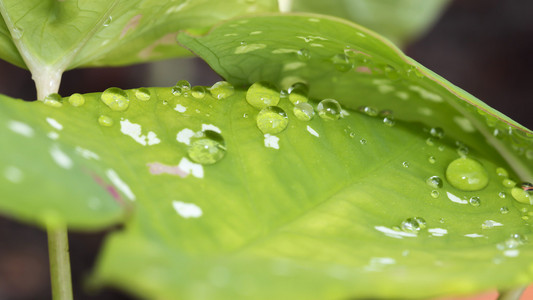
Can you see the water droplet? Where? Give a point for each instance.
(303, 111)
(508, 183)
(352, 134)
(502, 195)
(437, 132)
(115, 98)
(467, 174)
(474, 201)
(198, 92)
(298, 93)
(105, 121)
(435, 194)
(183, 85)
(405, 164)
(222, 90)
(176, 91)
(54, 100)
(272, 120)
(515, 240)
(108, 21)
(413, 225)
(17, 33)
(329, 109)
(430, 141)
(369, 111)
(303, 54)
(341, 62)
(391, 72)
(501, 172)
(432, 159)
(76, 100)
(413, 73)
(504, 210)
(245, 115)
(441, 148)
(462, 151)
(262, 94)
(389, 121)
(207, 147)
(434, 182)
(142, 94)
(523, 194)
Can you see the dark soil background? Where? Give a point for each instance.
(482, 46)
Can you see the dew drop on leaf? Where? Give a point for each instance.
(369, 111)
(413, 225)
(76, 100)
(434, 182)
(432, 159)
(222, 90)
(262, 94)
(105, 121)
(474, 201)
(389, 121)
(523, 194)
(341, 62)
(504, 210)
(435, 194)
(362, 141)
(303, 111)
(329, 109)
(115, 98)
(272, 120)
(467, 174)
(437, 132)
(198, 92)
(501, 172)
(508, 183)
(108, 21)
(207, 147)
(54, 100)
(184, 85)
(405, 164)
(391, 72)
(298, 92)
(142, 94)
(502, 195)
(303, 54)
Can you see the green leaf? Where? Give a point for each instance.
(49, 177)
(401, 21)
(53, 36)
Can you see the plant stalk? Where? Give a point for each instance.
(513, 294)
(59, 263)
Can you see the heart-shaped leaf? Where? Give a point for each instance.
(401, 21)
(49, 37)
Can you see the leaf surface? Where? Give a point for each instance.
(401, 21)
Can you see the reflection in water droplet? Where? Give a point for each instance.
(176, 91)
(389, 121)
(524, 193)
(272, 120)
(405, 164)
(432, 159)
(298, 93)
(183, 85)
(341, 62)
(303, 54)
(362, 141)
(76, 100)
(329, 109)
(474, 201)
(508, 183)
(434, 182)
(222, 90)
(116, 99)
(462, 151)
(504, 210)
(198, 92)
(369, 111)
(435, 194)
(262, 94)
(142, 94)
(54, 100)
(437, 132)
(303, 111)
(108, 21)
(413, 225)
(105, 121)
(502, 195)
(467, 174)
(207, 147)
(501, 172)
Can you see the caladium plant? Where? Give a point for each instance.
(327, 165)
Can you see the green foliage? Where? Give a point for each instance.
(406, 190)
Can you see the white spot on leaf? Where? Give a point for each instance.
(437, 231)
(393, 233)
(180, 108)
(271, 141)
(87, 154)
(120, 184)
(135, 132)
(312, 131)
(474, 235)
(13, 174)
(62, 159)
(426, 94)
(464, 123)
(456, 199)
(184, 136)
(20, 128)
(54, 123)
(249, 48)
(187, 210)
(189, 167)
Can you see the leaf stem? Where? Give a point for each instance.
(59, 263)
(513, 294)
(47, 80)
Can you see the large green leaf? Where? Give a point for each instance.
(401, 21)
(49, 37)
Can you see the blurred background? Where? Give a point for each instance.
(482, 46)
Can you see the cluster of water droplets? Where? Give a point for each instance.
(522, 192)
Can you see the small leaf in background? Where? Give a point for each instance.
(401, 21)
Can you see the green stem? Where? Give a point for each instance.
(513, 294)
(59, 263)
